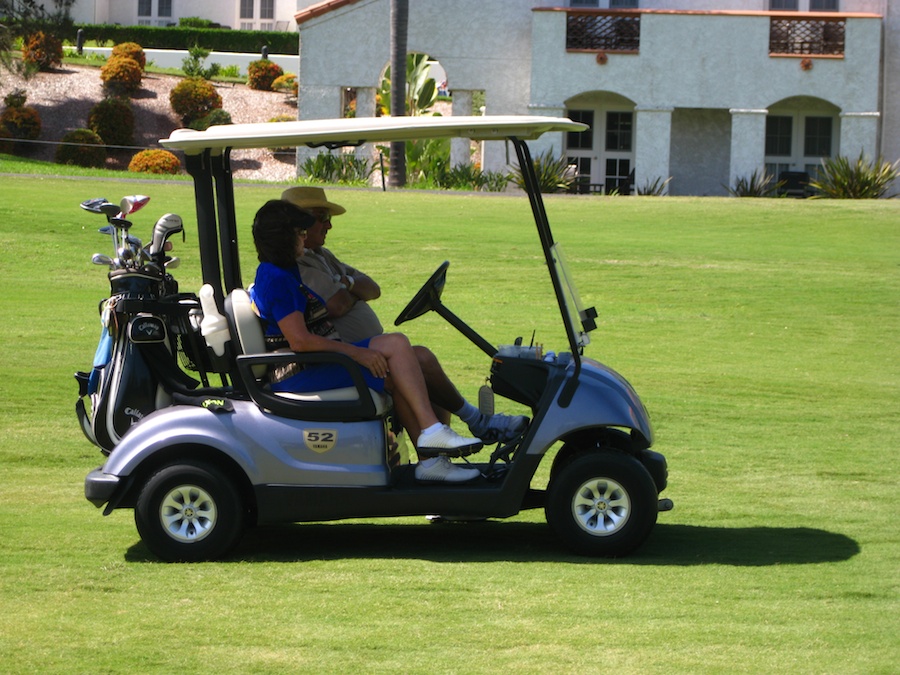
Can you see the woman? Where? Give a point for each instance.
(296, 318)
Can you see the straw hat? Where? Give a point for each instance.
(311, 198)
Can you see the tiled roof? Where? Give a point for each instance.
(321, 8)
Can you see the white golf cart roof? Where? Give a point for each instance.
(359, 130)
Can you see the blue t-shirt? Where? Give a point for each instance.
(278, 292)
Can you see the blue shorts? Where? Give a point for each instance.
(319, 377)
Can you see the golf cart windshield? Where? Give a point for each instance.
(581, 319)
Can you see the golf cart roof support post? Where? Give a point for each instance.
(526, 165)
(224, 180)
(199, 167)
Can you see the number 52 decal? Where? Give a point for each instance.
(320, 440)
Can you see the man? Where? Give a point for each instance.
(347, 292)
(345, 289)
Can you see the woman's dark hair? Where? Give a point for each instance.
(275, 232)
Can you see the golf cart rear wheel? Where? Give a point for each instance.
(602, 504)
(189, 511)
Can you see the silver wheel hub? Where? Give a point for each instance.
(601, 506)
(187, 513)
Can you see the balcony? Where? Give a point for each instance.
(603, 31)
(796, 35)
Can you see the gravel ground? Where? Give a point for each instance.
(64, 98)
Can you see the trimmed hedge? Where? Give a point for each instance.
(87, 149)
(176, 37)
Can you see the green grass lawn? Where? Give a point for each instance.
(761, 334)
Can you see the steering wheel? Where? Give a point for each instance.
(428, 297)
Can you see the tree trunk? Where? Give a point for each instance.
(399, 29)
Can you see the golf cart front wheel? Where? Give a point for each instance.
(602, 504)
(189, 511)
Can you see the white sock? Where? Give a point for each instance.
(468, 413)
(437, 426)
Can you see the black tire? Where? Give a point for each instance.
(602, 504)
(189, 511)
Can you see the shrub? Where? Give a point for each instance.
(15, 98)
(757, 185)
(113, 120)
(86, 149)
(42, 50)
(21, 122)
(192, 65)
(553, 175)
(194, 98)
(469, 176)
(215, 117)
(7, 146)
(130, 50)
(121, 76)
(838, 178)
(341, 168)
(155, 161)
(286, 82)
(262, 73)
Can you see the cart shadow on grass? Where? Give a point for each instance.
(493, 541)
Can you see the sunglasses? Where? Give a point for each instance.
(322, 216)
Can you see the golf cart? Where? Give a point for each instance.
(212, 460)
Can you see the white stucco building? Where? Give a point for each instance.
(702, 91)
(240, 14)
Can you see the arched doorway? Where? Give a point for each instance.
(604, 154)
(801, 131)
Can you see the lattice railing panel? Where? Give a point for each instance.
(806, 36)
(607, 32)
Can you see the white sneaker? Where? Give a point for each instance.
(440, 469)
(499, 428)
(447, 440)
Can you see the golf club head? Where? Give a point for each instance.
(109, 210)
(172, 263)
(100, 259)
(132, 203)
(93, 205)
(165, 227)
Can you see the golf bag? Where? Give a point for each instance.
(147, 327)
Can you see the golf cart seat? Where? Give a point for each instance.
(345, 404)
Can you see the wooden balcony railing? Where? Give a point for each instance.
(603, 31)
(790, 35)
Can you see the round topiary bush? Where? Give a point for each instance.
(82, 147)
(130, 50)
(262, 73)
(194, 98)
(215, 117)
(121, 76)
(42, 50)
(21, 122)
(113, 120)
(155, 161)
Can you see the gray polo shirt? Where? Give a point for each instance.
(318, 271)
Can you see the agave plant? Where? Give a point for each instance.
(757, 185)
(553, 174)
(839, 178)
(656, 188)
